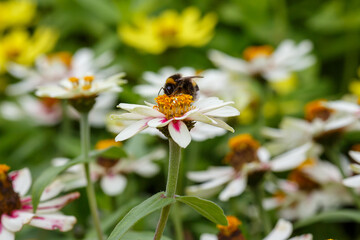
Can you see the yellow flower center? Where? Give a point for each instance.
(106, 143)
(253, 52)
(303, 181)
(243, 150)
(316, 109)
(9, 199)
(232, 227)
(175, 105)
(309, 162)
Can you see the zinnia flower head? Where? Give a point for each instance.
(175, 116)
(169, 29)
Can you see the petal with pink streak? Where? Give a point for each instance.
(113, 185)
(6, 234)
(21, 181)
(53, 222)
(16, 220)
(282, 231)
(132, 129)
(57, 203)
(180, 133)
(52, 190)
(158, 122)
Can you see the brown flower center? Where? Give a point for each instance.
(253, 52)
(243, 150)
(231, 231)
(316, 109)
(9, 199)
(174, 105)
(303, 181)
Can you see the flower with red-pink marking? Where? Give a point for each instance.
(175, 116)
(16, 209)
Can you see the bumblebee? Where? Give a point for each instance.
(177, 84)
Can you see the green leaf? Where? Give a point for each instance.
(141, 236)
(331, 216)
(51, 173)
(206, 208)
(150, 205)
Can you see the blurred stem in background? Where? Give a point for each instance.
(264, 220)
(65, 127)
(333, 153)
(85, 146)
(173, 173)
(350, 63)
(281, 20)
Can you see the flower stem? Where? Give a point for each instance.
(85, 144)
(264, 217)
(174, 164)
(333, 155)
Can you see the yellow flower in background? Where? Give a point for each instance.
(286, 85)
(16, 13)
(21, 47)
(170, 29)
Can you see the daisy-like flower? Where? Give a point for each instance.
(16, 209)
(169, 29)
(110, 172)
(265, 62)
(354, 181)
(314, 185)
(52, 68)
(249, 162)
(282, 231)
(175, 116)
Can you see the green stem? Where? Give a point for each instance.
(176, 218)
(333, 155)
(264, 217)
(174, 164)
(85, 145)
(65, 127)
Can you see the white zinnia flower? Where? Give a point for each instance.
(85, 87)
(354, 181)
(246, 158)
(262, 60)
(17, 210)
(282, 231)
(52, 68)
(172, 114)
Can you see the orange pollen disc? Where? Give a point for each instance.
(174, 106)
(253, 52)
(243, 141)
(316, 109)
(106, 143)
(233, 225)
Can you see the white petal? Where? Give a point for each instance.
(211, 173)
(230, 63)
(207, 236)
(179, 133)
(21, 180)
(282, 231)
(113, 185)
(222, 124)
(53, 222)
(158, 122)
(343, 106)
(353, 182)
(226, 111)
(355, 155)
(5, 234)
(209, 188)
(147, 111)
(263, 154)
(234, 188)
(290, 159)
(131, 130)
(339, 123)
(52, 190)
(302, 237)
(16, 220)
(57, 203)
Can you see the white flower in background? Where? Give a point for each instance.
(354, 181)
(41, 111)
(52, 68)
(264, 61)
(247, 159)
(325, 121)
(111, 173)
(174, 115)
(312, 186)
(84, 87)
(16, 208)
(282, 231)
